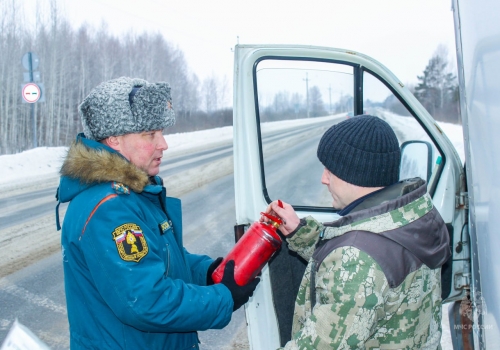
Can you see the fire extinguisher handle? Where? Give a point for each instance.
(273, 218)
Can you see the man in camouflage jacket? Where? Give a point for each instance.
(374, 276)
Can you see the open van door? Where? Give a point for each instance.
(285, 98)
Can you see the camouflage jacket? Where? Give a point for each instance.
(374, 276)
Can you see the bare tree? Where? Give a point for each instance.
(438, 89)
(73, 61)
(210, 94)
(317, 105)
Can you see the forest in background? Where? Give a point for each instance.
(437, 91)
(74, 60)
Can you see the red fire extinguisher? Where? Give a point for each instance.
(252, 251)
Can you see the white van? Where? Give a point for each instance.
(286, 97)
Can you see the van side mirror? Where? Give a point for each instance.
(416, 160)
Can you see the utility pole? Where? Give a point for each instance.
(307, 94)
(330, 94)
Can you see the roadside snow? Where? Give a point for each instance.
(45, 162)
(37, 162)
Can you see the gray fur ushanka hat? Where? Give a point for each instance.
(126, 105)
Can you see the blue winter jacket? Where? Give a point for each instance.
(130, 283)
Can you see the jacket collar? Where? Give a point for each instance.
(91, 162)
(383, 201)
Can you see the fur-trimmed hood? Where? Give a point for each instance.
(89, 163)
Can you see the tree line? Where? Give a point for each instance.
(73, 61)
(437, 90)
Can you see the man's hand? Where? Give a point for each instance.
(287, 215)
(211, 270)
(240, 294)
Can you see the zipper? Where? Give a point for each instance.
(312, 279)
(167, 262)
(312, 285)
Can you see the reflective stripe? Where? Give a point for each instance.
(94, 210)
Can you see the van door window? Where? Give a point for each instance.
(297, 102)
(420, 156)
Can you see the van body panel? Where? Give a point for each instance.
(477, 32)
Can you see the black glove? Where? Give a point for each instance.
(240, 294)
(211, 270)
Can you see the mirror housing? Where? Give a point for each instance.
(416, 160)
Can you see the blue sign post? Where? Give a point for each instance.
(32, 92)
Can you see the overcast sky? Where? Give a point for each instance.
(401, 34)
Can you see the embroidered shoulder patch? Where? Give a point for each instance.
(120, 188)
(130, 242)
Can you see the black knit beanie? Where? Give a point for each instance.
(362, 151)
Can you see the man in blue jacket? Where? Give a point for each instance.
(130, 283)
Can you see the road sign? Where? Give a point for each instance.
(30, 61)
(31, 76)
(31, 93)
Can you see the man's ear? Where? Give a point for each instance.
(113, 142)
